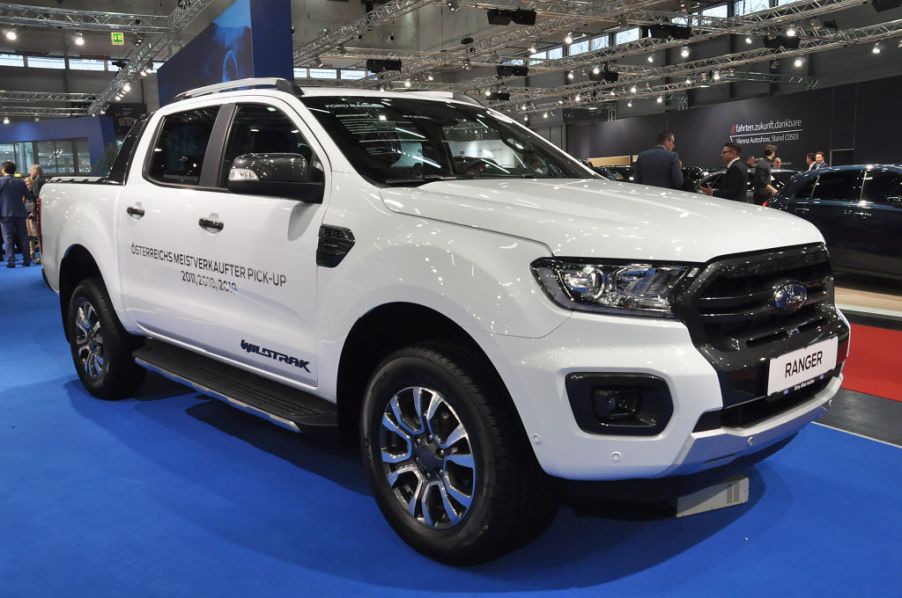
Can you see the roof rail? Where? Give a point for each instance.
(279, 84)
(450, 95)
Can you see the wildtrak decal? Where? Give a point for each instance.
(274, 355)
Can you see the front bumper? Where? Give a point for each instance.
(535, 372)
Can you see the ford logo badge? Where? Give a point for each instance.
(789, 296)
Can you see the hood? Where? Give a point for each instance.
(605, 219)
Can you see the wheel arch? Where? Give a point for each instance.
(388, 328)
(78, 265)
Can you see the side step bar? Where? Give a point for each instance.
(284, 406)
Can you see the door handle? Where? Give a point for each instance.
(132, 211)
(206, 223)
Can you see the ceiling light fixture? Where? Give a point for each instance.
(569, 38)
(5, 120)
(660, 99)
(127, 87)
(407, 83)
(12, 36)
(791, 32)
(799, 62)
(716, 76)
(633, 89)
(429, 77)
(876, 49)
(748, 39)
(577, 98)
(596, 70)
(533, 49)
(629, 104)
(684, 51)
(79, 39)
(650, 58)
(571, 75)
(544, 115)
(688, 81)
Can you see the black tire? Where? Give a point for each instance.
(106, 368)
(511, 499)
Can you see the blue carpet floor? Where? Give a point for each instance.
(171, 494)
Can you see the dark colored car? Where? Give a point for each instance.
(782, 177)
(858, 209)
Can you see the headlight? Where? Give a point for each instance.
(623, 289)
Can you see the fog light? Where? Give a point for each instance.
(624, 404)
(616, 405)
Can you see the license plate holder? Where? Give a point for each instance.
(794, 368)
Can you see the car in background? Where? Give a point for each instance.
(781, 176)
(858, 209)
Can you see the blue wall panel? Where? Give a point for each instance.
(98, 130)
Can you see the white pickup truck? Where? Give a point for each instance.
(493, 321)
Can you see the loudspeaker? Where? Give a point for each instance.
(374, 65)
(881, 5)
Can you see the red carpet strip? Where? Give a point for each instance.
(875, 362)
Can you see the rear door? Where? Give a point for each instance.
(877, 221)
(832, 198)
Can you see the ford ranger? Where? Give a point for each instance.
(488, 317)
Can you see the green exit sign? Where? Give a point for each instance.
(118, 38)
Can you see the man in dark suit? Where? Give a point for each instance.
(12, 214)
(819, 161)
(660, 166)
(734, 183)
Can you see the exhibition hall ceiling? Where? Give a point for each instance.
(551, 52)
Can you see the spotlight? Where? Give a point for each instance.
(650, 58)
(876, 49)
(523, 107)
(533, 49)
(453, 5)
(791, 32)
(688, 81)
(571, 75)
(5, 120)
(127, 87)
(577, 98)
(567, 40)
(596, 70)
(143, 74)
(684, 51)
(12, 36)
(633, 89)
(37, 119)
(429, 77)
(748, 39)
(716, 76)
(613, 93)
(407, 83)
(544, 115)
(660, 99)
(799, 62)
(629, 104)
(526, 118)
(79, 40)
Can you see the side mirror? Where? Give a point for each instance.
(279, 175)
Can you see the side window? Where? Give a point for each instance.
(803, 190)
(261, 129)
(883, 187)
(119, 171)
(178, 155)
(838, 186)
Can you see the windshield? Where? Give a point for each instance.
(402, 141)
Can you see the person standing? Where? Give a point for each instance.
(763, 189)
(810, 161)
(12, 214)
(819, 161)
(34, 182)
(660, 166)
(735, 179)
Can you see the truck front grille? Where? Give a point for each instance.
(730, 312)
